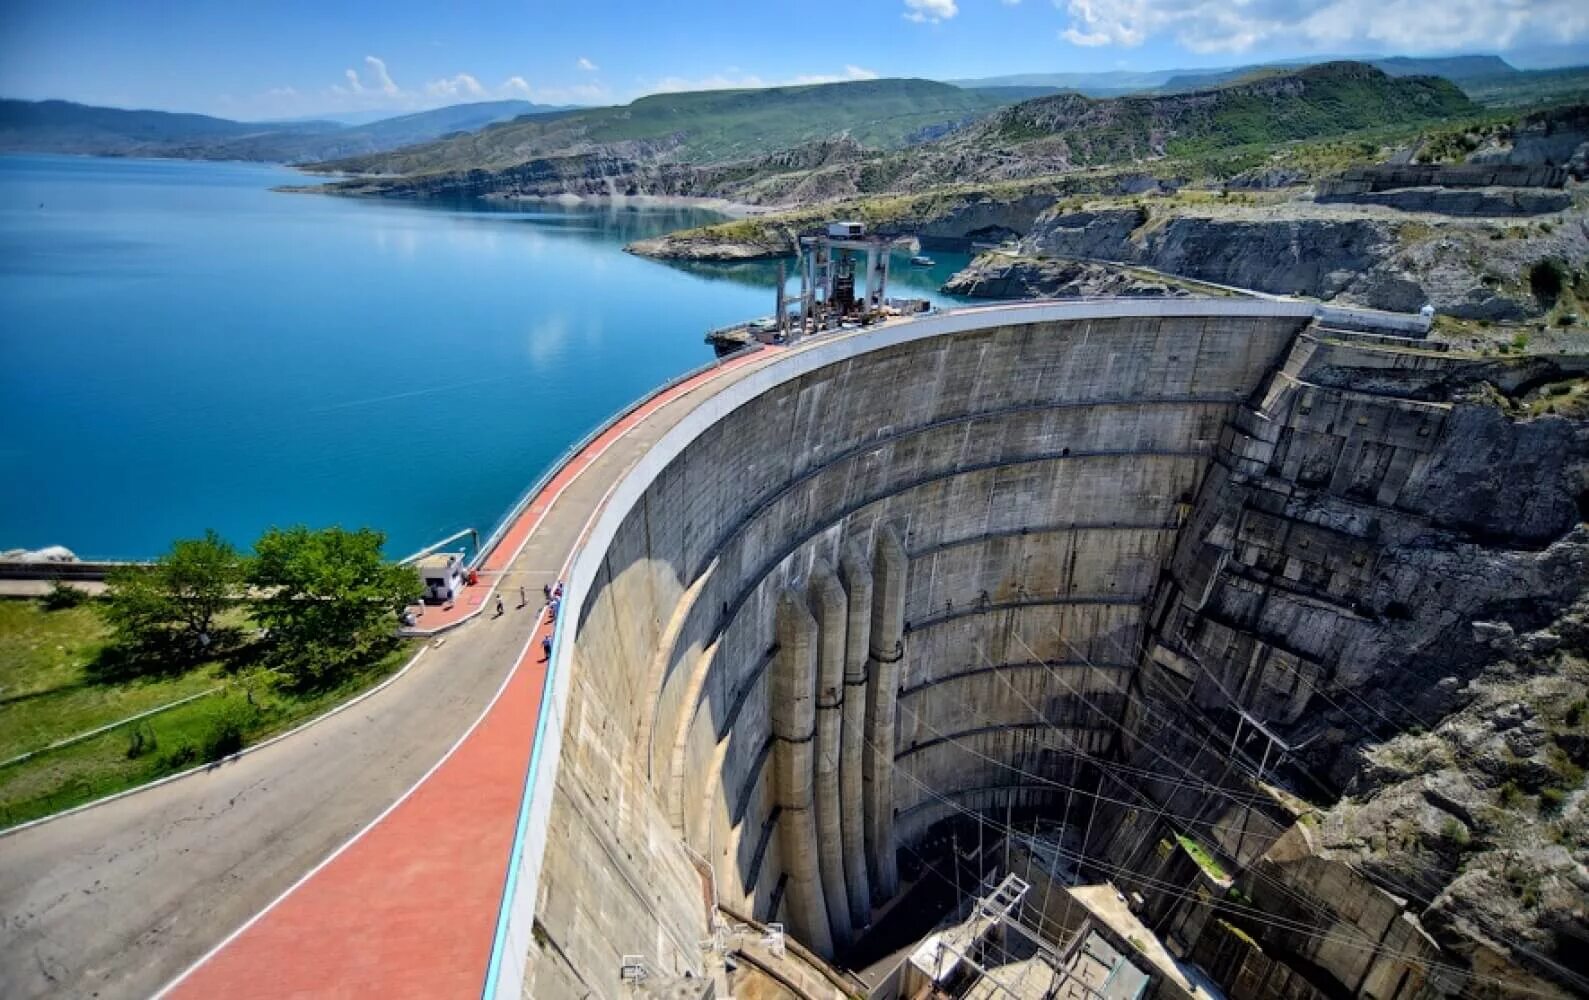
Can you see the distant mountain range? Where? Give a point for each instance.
(65, 127)
(686, 128)
(1460, 70)
(800, 145)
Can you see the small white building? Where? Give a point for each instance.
(442, 575)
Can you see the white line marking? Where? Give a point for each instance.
(367, 827)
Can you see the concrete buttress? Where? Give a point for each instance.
(828, 604)
(889, 564)
(793, 714)
(857, 577)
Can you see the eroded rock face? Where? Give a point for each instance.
(1468, 269)
(1391, 573)
(999, 276)
(1485, 813)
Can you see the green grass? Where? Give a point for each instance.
(1204, 859)
(51, 689)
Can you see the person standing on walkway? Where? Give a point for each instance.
(546, 647)
(546, 589)
(523, 600)
(499, 604)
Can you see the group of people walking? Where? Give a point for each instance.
(554, 600)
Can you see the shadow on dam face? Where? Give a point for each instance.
(943, 573)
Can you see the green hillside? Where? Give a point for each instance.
(709, 126)
(1328, 99)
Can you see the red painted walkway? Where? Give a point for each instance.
(409, 906)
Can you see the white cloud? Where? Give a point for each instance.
(1410, 26)
(587, 65)
(374, 89)
(374, 81)
(733, 79)
(930, 11)
(460, 88)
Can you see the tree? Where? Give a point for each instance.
(328, 597)
(177, 599)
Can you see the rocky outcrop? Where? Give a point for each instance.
(1470, 270)
(705, 247)
(1495, 201)
(1553, 137)
(1391, 177)
(1317, 257)
(1000, 276)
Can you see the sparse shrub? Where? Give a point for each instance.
(1546, 279)
(180, 756)
(228, 730)
(141, 740)
(63, 595)
(1454, 833)
(1568, 773)
(1559, 389)
(1520, 342)
(1551, 801)
(1510, 794)
(1575, 711)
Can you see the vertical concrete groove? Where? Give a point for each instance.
(889, 564)
(857, 577)
(793, 714)
(827, 603)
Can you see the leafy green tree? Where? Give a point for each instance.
(328, 597)
(176, 601)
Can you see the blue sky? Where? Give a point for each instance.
(254, 59)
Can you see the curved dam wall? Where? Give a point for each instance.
(868, 586)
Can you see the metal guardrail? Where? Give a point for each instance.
(518, 506)
(40, 569)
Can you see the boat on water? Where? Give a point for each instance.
(921, 260)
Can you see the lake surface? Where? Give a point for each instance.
(183, 348)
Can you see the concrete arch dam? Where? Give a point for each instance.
(863, 590)
(913, 573)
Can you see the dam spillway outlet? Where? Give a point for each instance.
(1058, 593)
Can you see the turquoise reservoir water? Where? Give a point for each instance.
(183, 348)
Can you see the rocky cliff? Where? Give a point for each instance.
(1370, 648)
